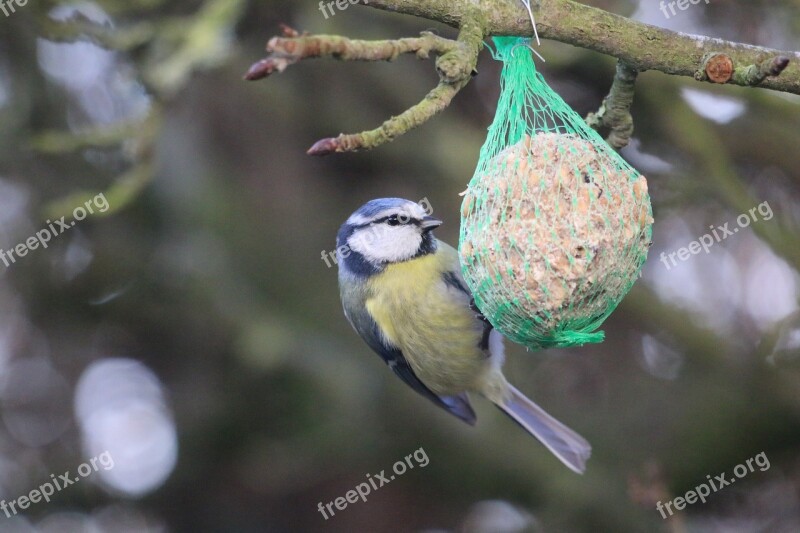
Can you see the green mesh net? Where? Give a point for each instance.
(555, 225)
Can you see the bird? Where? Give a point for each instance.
(403, 293)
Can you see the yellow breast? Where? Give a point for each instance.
(429, 321)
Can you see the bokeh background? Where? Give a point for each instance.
(194, 332)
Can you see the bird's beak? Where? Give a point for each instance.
(429, 223)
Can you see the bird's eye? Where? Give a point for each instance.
(393, 220)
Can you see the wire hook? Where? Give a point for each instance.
(529, 47)
(527, 4)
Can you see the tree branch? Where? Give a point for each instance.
(637, 46)
(434, 102)
(641, 46)
(614, 114)
(293, 47)
(456, 64)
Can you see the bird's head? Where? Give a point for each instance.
(385, 231)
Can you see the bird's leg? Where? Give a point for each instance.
(478, 313)
(487, 327)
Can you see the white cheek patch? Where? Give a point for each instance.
(386, 244)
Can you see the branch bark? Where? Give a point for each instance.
(293, 47)
(455, 64)
(614, 114)
(641, 46)
(636, 45)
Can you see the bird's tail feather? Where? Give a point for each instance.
(572, 449)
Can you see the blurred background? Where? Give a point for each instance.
(194, 332)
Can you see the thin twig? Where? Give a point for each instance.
(637, 46)
(286, 51)
(455, 65)
(434, 102)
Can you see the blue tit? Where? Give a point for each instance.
(403, 293)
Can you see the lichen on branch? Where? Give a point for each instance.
(455, 65)
(293, 47)
(636, 45)
(614, 116)
(642, 46)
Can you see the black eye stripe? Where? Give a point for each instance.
(403, 219)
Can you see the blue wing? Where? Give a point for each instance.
(458, 406)
(453, 279)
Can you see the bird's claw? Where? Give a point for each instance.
(477, 311)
